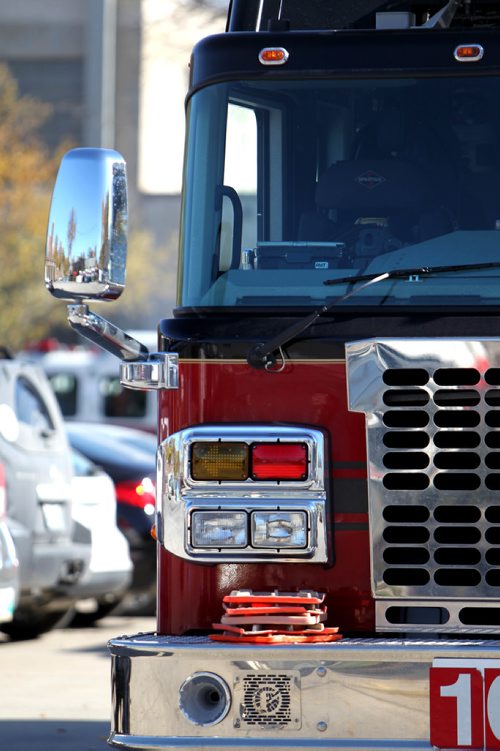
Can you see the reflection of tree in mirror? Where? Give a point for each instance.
(104, 249)
(71, 231)
(119, 221)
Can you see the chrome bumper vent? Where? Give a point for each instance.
(268, 700)
(433, 424)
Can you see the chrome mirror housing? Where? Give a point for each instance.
(85, 260)
(87, 233)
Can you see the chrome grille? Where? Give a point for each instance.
(268, 700)
(433, 423)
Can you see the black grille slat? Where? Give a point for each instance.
(492, 398)
(435, 438)
(405, 514)
(409, 439)
(456, 398)
(447, 418)
(405, 377)
(492, 440)
(492, 376)
(406, 481)
(456, 376)
(457, 460)
(406, 398)
(457, 514)
(453, 439)
(406, 460)
(406, 419)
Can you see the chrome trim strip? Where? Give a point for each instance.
(356, 694)
(178, 495)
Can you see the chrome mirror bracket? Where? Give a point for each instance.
(140, 369)
(159, 370)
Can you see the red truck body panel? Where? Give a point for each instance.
(312, 393)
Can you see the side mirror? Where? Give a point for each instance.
(85, 260)
(87, 234)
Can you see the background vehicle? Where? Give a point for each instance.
(53, 551)
(106, 580)
(9, 565)
(329, 385)
(128, 457)
(87, 387)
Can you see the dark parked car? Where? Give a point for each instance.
(129, 458)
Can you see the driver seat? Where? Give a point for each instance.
(375, 206)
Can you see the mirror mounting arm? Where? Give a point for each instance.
(140, 369)
(105, 334)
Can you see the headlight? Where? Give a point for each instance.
(219, 529)
(279, 529)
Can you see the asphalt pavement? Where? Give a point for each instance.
(55, 692)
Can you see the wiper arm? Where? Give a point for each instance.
(262, 356)
(416, 271)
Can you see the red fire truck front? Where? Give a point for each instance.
(328, 494)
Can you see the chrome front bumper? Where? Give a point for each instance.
(356, 694)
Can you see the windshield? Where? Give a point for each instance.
(289, 184)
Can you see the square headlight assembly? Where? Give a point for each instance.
(219, 529)
(279, 529)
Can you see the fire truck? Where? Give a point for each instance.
(328, 494)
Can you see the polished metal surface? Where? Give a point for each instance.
(87, 233)
(179, 495)
(355, 694)
(140, 369)
(105, 334)
(433, 417)
(159, 370)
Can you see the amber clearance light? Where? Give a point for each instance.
(468, 53)
(273, 56)
(234, 461)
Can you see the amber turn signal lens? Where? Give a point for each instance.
(468, 53)
(217, 460)
(279, 461)
(273, 56)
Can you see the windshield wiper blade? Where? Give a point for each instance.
(262, 356)
(416, 271)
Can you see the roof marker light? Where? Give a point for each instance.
(468, 53)
(273, 56)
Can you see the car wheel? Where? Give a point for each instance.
(104, 608)
(30, 625)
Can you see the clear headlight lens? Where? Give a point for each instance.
(219, 529)
(279, 529)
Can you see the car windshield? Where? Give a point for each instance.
(292, 183)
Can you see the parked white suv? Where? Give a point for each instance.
(109, 574)
(53, 549)
(87, 385)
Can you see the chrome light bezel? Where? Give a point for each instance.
(179, 496)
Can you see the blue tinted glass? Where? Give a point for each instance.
(292, 183)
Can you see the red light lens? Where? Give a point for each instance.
(279, 461)
(136, 492)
